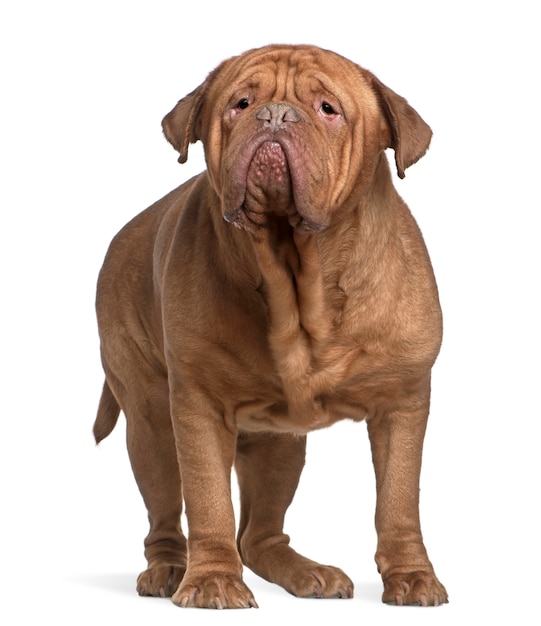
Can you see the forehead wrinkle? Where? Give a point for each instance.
(278, 70)
(276, 81)
(283, 77)
(285, 65)
(257, 80)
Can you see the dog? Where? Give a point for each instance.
(281, 290)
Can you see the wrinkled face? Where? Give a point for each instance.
(294, 132)
(290, 131)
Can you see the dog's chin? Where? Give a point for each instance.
(247, 219)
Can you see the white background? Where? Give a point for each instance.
(84, 87)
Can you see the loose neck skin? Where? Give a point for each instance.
(356, 231)
(304, 282)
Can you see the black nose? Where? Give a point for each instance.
(278, 114)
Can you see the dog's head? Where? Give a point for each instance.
(295, 131)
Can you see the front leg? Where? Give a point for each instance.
(408, 576)
(268, 468)
(206, 448)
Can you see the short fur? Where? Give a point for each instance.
(285, 288)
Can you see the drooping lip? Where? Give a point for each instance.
(236, 191)
(235, 195)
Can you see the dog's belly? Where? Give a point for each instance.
(264, 415)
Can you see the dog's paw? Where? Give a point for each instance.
(298, 575)
(160, 580)
(214, 591)
(319, 581)
(414, 588)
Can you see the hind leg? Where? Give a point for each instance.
(268, 468)
(153, 458)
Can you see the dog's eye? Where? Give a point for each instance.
(244, 103)
(327, 109)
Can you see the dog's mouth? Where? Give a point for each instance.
(269, 173)
(268, 190)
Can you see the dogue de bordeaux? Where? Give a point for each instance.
(284, 288)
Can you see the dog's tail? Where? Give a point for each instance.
(108, 412)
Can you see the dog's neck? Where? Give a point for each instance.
(316, 289)
(301, 318)
(307, 280)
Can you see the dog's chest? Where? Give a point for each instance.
(317, 373)
(338, 344)
(315, 388)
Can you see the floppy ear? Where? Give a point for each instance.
(180, 124)
(410, 134)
